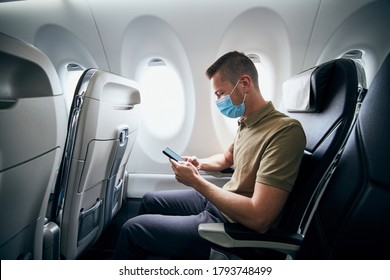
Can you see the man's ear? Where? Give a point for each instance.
(246, 82)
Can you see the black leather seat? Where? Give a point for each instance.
(352, 218)
(328, 96)
(337, 90)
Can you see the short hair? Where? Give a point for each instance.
(232, 66)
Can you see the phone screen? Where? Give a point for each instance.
(171, 154)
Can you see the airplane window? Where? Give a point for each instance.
(265, 75)
(356, 55)
(162, 99)
(70, 79)
(265, 81)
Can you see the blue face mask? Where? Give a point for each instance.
(226, 106)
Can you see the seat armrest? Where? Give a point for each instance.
(234, 235)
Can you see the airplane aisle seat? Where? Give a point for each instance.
(103, 123)
(33, 122)
(324, 99)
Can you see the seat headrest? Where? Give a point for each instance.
(305, 92)
(26, 71)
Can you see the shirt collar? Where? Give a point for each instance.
(257, 115)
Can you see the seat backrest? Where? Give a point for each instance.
(33, 122)
(324, 99)
(102, 129)
(352, 218)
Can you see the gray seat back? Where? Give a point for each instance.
(102, 129)
(32, 137)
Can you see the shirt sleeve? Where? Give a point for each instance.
(281, 161)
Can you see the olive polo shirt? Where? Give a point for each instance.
(268, 149)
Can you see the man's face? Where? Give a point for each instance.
(222, 88)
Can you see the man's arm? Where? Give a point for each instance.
(215, 162)
(257, 212)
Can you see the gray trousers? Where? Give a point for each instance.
(167, 226)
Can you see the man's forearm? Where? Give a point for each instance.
(216, 162)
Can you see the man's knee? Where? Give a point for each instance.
(147, 200)
(135, 227)
(148, 197)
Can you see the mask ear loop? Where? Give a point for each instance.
(234, 88)
(243, 101)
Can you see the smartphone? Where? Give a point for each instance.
(171, 154)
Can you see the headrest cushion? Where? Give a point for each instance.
(305, 92)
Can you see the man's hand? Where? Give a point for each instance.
(194, 160)
(186, 173)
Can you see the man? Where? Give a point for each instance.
(266, 155)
